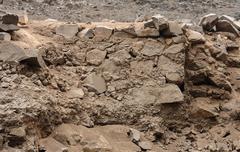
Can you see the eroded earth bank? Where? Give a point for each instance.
(155, 85)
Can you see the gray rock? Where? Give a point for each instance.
(86, 33)
(174, 29)
(208, 22)
(152, 48)
(8, 27)
(226, 26)
(141, 31)
(145, 145)
(194, 37)
(5, 36)
(134, 134)
(10, 52)
(149, 23)
(95, 56)
(67, 30)
(95, 83)
(160, 22)
(75, 93)
(10, 19)
(102, 33)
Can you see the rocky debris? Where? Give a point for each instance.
(23, 18)
(226, 26)
(160, 22)
(86, 33)
(152, 48)
(95, 57)
(75, 93)
(67, 30)
(95, 83)
(102, 33)
(5, 36)
(208, 22)
(135, 135)
(17, 136)
(10, 19)
(194, 37)
(174, 29)
(149, 24)
(141, 31)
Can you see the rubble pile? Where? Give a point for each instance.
(85, 86)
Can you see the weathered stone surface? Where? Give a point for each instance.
(5, 36)
(86, 33)
(75, 93)
(17, 136)
(10, 19)
(148, 95)
(10, 52)
(174, 29)
(51, 145)
(149, 24)
(145, 145)
(152, 48)
(23, 18)
(142, 67)
(134, 134)
(102, 33)
(96, 57)
(141, 31)
(67, 30)
(18, 132)
(226, 26)
(160, 22)
(8, 27)
(204, 108)
(208, 22)
(195, 37)
(95, 83)
(174, 49)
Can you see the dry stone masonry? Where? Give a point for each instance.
(69, 87)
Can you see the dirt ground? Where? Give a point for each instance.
(122, 10)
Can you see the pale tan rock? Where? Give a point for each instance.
(95, 83)
(195, 37)
(67, 30)
(75, 93)
(141, 31)
(152, 48)
(102, 33)
(96, 56)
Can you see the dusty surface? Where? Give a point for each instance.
(119, 86)
(122, 10)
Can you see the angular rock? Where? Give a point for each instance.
(134, 134)
(174, 49)
(226, 26)
(130, 30)
(23, 18)
(149, 24)
(75, 93)
(237, 24)
(95, 83)
(86, 33)
(96, 57)
(208, 22)
(10, 52)
(8, 28)
(51, 145)
(194, 37)
(67, 30)
(160, 22)
(67, 134)
(141, 31)
(145, 145)
(17, 136)
(174, 29)
(10, 19)
(5, 36)
(152, 48)
(102, 33)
